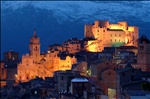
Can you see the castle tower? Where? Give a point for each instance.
(144, 54)
(34, 46)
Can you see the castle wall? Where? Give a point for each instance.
(113, 34)
(113, 38)
(88, 31)
(116, 26)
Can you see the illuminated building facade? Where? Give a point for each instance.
(42, 65)
(110, 35)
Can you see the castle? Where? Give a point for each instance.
(110, 35)
(42, 65)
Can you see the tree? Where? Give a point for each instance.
(143, 39)
(145, 86)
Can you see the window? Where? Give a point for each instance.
(103, 30)
(141, 47)
(115, 40)
(111, 40)
(123, 74)
(62, 78)
(13, 58)
(97, 30)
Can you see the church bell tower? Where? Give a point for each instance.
(34, 46)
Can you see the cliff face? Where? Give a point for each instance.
(57, 21)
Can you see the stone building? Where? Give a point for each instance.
(82, 67)
(2, 74)
(42, 65)
(80, 87)
(11, 59)
(144, 54)
(106, 74)
(72, 45)
(64, 80)
(11, 56)
(108, 35)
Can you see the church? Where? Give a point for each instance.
(42, 65)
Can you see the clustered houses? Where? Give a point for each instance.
(72, 45)
(91, 68)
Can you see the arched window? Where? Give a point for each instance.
(27, 76)
(35, 49)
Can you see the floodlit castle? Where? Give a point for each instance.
(41, 65)
(108, 35)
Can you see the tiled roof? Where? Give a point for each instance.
(79, 80)
(127, 47)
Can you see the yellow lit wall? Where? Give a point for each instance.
(119, 34)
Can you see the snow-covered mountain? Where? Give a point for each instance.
(56, 21)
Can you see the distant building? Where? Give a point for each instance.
(2, 74)
(56, 47)
(82, 67)
(127, 48)
(42, 65)
(11, 56)
(107, 53)
(11, 59)
(106, 74)
(108, 35)
(144, 54)
(80, 87)
(64, 80)
(124, 56)
(129, 82)
(72, 45)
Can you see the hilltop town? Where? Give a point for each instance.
(110, 62)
